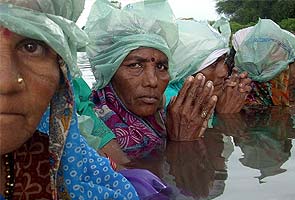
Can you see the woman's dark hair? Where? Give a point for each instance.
(230, 60)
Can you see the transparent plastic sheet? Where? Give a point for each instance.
(150, 9)
(114, 33)
(223, 27)
(197, 41)
(86, 125)
(48, 21)
(265, 51)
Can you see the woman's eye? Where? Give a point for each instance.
(213, 65)
(162, 67)
(32, 47)
(135, 65)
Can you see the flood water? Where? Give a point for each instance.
(245, 156)
(250, 155)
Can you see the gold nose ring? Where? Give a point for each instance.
(204, 114)
(20, 80)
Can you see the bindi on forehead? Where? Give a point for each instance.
(6, 33)
(153, 59)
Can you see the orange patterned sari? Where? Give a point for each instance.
(278, 91)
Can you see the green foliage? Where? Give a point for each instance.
(235, 26)
(288, 24)
(246, 11)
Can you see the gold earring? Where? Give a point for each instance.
(20, 80)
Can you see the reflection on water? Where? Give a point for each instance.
(264, 153)
(245, 156)
(264, 137)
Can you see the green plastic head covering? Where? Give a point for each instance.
(264, 50)
(50, 21)
(114, 33)
(199, 46)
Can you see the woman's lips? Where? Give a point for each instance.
(149, 99)
(9, 119)
(10, 114)
(218, 84)
(218, 87)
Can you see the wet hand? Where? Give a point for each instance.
(113, 151)
(188, 113)
(244, 83)
(235, 91)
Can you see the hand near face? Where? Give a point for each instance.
(236, 89)
(189, 112)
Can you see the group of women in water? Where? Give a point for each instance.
(157, 79)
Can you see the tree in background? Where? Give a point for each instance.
(247, 12)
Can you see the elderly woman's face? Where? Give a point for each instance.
(141, 80)
(217, 73)
(29, 76)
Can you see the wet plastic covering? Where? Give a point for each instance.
(264, 50)
(114, 33)
(50, 21)
(199, 46)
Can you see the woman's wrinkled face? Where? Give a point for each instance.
(217, 72)
(141, 80)
(29, 76)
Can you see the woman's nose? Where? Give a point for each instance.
(222, 70)
(11, 80)
(150, 78)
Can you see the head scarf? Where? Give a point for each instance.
(199, 46)
(114, 33)
(240, 36)
(264, 50)
(77, 171)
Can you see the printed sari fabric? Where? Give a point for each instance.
(280, 89)
(31, 164)
(272, 93)
(136, 136)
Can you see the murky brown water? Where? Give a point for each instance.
(245, 156)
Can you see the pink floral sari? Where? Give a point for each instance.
(136, 136)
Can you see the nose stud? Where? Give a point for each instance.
(20, 80)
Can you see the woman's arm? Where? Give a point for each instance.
(113, 151)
